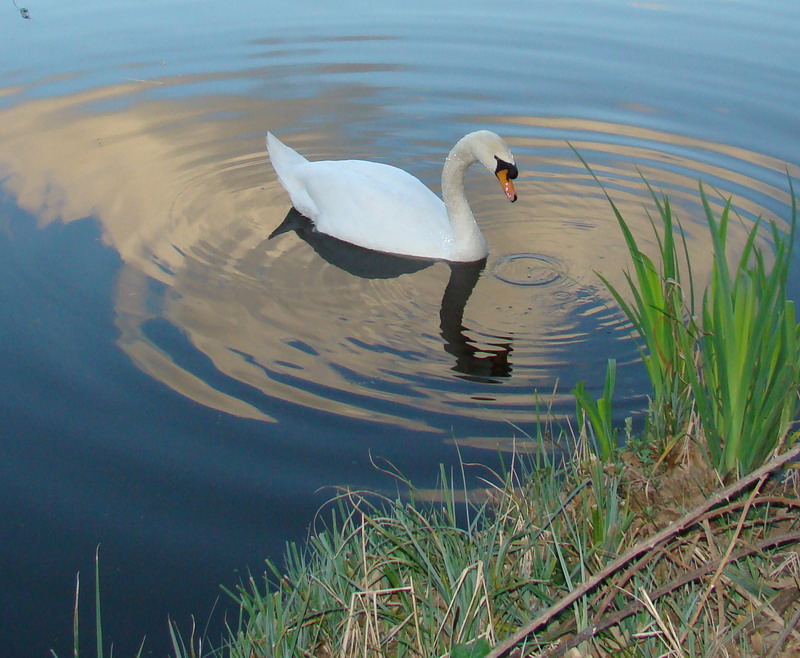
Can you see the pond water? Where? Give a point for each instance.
(185, 391)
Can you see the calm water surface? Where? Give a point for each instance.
(184, 390)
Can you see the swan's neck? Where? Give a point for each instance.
(468, 242)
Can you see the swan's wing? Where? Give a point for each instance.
(375, 206)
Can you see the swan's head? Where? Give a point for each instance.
(490, 149)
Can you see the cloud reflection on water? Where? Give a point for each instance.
(183, 191)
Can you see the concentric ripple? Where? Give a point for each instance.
(316, 322)
(526, 269)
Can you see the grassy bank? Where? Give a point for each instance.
(683, 542)
(585, 559)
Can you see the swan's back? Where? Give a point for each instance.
(366, 203)
(376, 206)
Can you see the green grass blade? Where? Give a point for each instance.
(97, 613)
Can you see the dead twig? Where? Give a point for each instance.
(784, 636)
(637, 606)
(689, 519)
(724, 561)
(604, 599)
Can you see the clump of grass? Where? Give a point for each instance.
(737, 369)
(661, 313)
(394, 577)
(558, 556)
(749, 350)
(594, 416)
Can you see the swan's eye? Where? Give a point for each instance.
(511, 168)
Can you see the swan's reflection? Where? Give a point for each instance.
(471, 362)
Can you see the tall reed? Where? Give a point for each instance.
(661, 312)
(737, 367)
(746, 388)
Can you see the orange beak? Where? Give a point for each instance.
(508, 185)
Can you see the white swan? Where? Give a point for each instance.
(386, 209)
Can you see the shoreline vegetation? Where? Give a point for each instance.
(681, 541)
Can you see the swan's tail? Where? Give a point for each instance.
(285, 161)
(283, 158)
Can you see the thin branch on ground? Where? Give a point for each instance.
(652, 542)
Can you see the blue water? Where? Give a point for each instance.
(185, 392)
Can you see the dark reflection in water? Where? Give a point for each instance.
(472, 363)
(475, 364)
